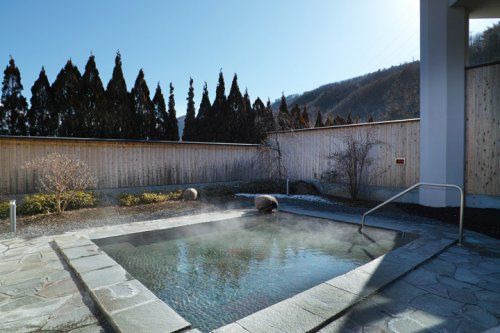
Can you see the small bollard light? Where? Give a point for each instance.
(12, 210)
(288, 186)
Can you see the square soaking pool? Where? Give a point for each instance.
(215, 273)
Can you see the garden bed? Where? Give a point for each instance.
(49, 224)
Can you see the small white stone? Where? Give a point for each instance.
(190, 194)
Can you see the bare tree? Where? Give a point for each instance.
(61, 175)
(350, 163)
(271, 155)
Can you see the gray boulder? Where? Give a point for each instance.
(190, 194)
(265, 203)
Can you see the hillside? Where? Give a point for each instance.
(387, 94)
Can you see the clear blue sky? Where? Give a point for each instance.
(274, 46)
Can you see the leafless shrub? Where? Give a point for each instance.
(350, 163)
(272, 154)
(61, 175)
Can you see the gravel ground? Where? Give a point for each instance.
(34, 226)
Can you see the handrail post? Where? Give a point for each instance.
(461, 218)
(12, 213)
(462, 205)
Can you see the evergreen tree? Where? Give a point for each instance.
(173, 128)
(143, 109)
(370, 120)
(250, 132)
(235, 118)
(264, 120)
(329, 121)
(160, 115)
(120, 121)
(297, 121)
(189, 132)
(93, 102)
(204, 132)
(305, 118)
(220, 119)
(284, 120)
(349, 119)
(270, 116)
(68, 101)
(42, 105)
(339, 120)
(14, 105)
(319, 120)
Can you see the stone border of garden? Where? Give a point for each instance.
(131, 307)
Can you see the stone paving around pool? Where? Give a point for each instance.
(456, 291)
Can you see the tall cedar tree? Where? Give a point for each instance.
(264, 120)
(271, 127)
(173, 127)
(220, 123)
(338, 121)
(13, 103)
(295, 116)
(284, 119)
(119, 119)
(189, 133)
(349, 119)
(305, 118)
(160, 113)
(329, 120)
(319, 120)
(203, 129)
(68, 101)
(93, 101)
(235, 120)
(143, 108)
(40, 122)
(249, 112)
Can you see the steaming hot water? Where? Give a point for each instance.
(215, 273)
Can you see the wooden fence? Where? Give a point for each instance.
(306, 152)
(482, 172)
(121, 163)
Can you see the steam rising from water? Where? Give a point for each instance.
(215, 273)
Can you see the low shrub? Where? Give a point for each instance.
(82, 199)
(4, 209)
(42, 203)
(149, 198)
(127, 199)
(218, 191)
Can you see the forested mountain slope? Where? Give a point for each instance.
(387, 94)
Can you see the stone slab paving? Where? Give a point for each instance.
(38, 293)
(458, 291)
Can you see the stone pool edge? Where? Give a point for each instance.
(130, 307)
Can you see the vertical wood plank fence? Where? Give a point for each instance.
(121, 163)
(306, 152)
(482, 111)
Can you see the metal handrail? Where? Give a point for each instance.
(461, 220)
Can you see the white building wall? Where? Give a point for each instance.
(443, 34)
